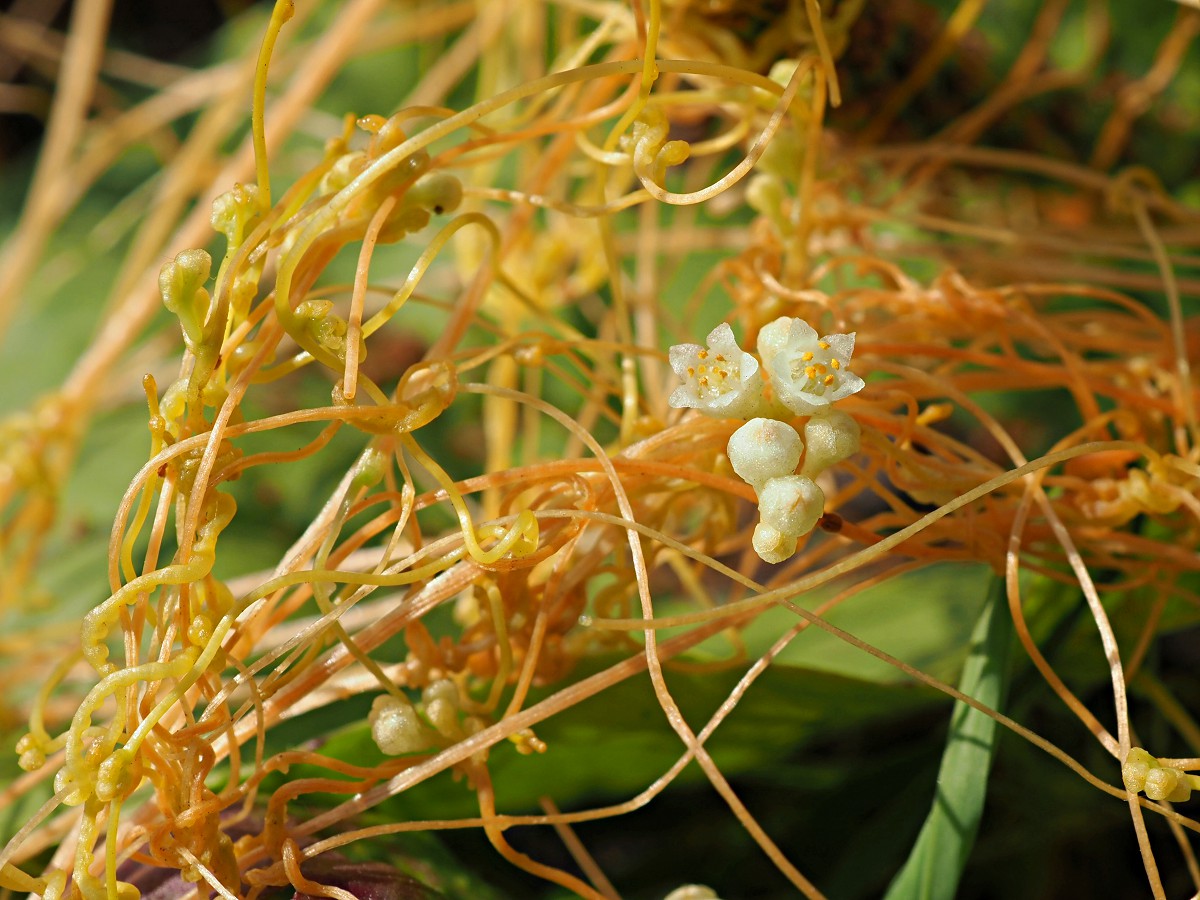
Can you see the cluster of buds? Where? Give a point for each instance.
(797, 374)
(1143, 772)
(398, 727)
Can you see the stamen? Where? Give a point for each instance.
(691, 371)
(829, 379)
(824, 345)
(720, 358)
(807, 357)
(810, 372)
(836, 363)
(703, 354)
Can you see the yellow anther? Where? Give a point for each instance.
(820, 367)
(824, 345)
(836, 363)
(691, 371)
(703, 381)
(807, 356)
(829, 379)
(720, 358)
(810, 372)
(703, 354)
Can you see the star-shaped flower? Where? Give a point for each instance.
(808, 372)
(721, 380)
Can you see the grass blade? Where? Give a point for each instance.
(936, 863)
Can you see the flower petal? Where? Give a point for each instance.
(682, 356)
(841, 345)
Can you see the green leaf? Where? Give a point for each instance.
(925, 618)
(937, 859)
(615, 744)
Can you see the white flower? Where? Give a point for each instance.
(722, 381)
(791, 504)
(830, 438)
(771, 544)
(807, 372)
(763, 449)
(396, 727)
(790, 507)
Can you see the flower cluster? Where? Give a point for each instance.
(1143, 772)
(800, 374)
(806, 373)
